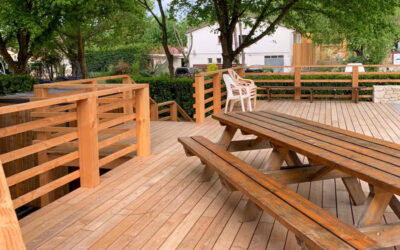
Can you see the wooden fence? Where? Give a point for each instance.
(72, 126)
(209, 88)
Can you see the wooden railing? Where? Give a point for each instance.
(210, 95)
(72, 128)
(168, 111)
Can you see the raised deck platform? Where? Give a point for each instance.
(158, 202)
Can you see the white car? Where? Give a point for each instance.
(350, 68)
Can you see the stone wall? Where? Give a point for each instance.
(387, 93)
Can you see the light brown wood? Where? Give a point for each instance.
(143, 122)
(385, 235)
(375, 205)
(88, 142)
(10, 232)
(353, 186)
(297, 82)
(199, 99)
(217, 93)
(354, 83)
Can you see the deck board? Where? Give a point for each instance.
(158, 202)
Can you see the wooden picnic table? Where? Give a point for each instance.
(332, 153)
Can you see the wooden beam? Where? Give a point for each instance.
(10, 231)
(385, 235)
(252, 144)
(143, 121)
(374, 207)
(88, 142)
(301, 174)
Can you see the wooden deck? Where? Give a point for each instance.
(158, 202)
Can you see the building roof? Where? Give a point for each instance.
(160, 50)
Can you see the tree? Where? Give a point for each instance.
(182, 44)
(263, 17)
(97, 21)
(24, 26)
(162, 24)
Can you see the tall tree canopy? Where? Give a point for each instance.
(24, 26)
(263, 17)
(98, 21)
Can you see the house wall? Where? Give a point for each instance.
(206, 45)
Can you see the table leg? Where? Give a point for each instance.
(353, 186)
(395, 205)
(274, 162)
(375, 206)
(276, 159)
(224, 141)
(292, 159)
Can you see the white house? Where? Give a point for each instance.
(272, 50)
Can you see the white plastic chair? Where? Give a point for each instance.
(236, 93)
(245, 82)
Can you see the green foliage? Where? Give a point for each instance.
(164, 89)
(212, 67)
(104, 60)
(122, 68)
(16, 84)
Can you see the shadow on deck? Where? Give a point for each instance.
(159, 201)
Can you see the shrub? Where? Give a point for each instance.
(100, 61)
(164, 88)
(212, 67)
(16, 83)
(122, 68)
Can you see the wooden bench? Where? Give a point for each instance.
(315, 227)
(311, 89)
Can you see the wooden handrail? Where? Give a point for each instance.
(87, 115)
(211, 87)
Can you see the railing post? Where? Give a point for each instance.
(88, 142)
(42, 156)
(199, 99)
(240, 72)
(10, 231)
(217, 93)
(128, 108)
(354, 84)
(174, 111)
(143, 121)
(153, 111)
(297, 83)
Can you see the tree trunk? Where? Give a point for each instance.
(82, 56)
(227, 54)
(17, 67)
(170, 57)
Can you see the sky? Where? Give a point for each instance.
(165, 5)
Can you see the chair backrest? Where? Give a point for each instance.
(235, 76)
(229, 83)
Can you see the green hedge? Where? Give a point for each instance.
(164, 88)
(16, 83)
(101, 61)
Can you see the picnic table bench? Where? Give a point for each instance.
(332, 153)
(311, 90)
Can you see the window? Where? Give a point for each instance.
(219, 39)
(296, 37)
(209, 60)
(274, 61)
(241, 40)
(219, 60)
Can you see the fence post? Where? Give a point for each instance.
(240, 72)
(217, 92)
(143, 121)
(88, 142)
(128, 108)
(10, 233)
(199, 99)
(42, 156)
(354, 95)
(174, 111)
(297, 83)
